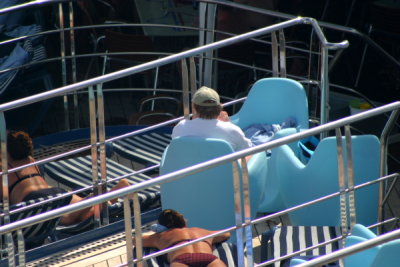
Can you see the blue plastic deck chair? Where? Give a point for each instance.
(206, 198)
(271, 101)
(298, 183)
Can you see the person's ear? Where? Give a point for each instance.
(194, 111)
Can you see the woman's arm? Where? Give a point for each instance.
(148, 240)
(222, 237)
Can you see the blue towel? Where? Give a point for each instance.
(262, 132)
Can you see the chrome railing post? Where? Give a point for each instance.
(73, 61)
(138, 228)
(21, 248)
(282, 54)
(93, 142)
(103, 162)
(324, 106)
(185, 89)
(6, 196)
(238, 211)
(207, 36)
(193, 76)
(342, 182)
(350, 176)
(275, 55)
(128, 233)
(63, 63)
(247, 212)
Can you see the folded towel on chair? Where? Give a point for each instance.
(260, 133)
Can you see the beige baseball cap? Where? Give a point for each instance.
(206, 96)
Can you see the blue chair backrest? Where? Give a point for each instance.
(206, 199)
(271, 101)
(301, 183)
(386, 254)
(363, 258)
(362, 231)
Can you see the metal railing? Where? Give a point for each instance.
(97, 95)
(127, 193)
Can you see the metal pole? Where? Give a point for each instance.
(238, 211)
(93, 141)
(103, 163)
(63, 63)
(185, 89)
(6, 197)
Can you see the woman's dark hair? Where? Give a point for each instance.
(208, 112)
(19, 145)
(171, 219)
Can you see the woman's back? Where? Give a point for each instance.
(24, 181)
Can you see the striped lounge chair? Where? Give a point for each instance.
(284, 240)
(77, 173)
(36, 234)
(146, 148)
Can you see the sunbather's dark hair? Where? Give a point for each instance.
(171, 219)
(208, 112)
(19, 145)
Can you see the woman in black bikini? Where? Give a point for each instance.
(28, 183)
(198, 254)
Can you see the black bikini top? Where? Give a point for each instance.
(20, 179)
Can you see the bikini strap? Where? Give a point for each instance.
(16, 173)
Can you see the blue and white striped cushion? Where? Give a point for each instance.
(77, 173)
(144, 148)
(225, 251)
(288, 239)
(41, 230)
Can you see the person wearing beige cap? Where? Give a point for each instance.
(209, 120)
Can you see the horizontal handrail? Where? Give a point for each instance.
(197, 168)
(160, 62)
(30, 4)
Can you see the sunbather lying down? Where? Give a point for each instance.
(28, 183)
(175, 232)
